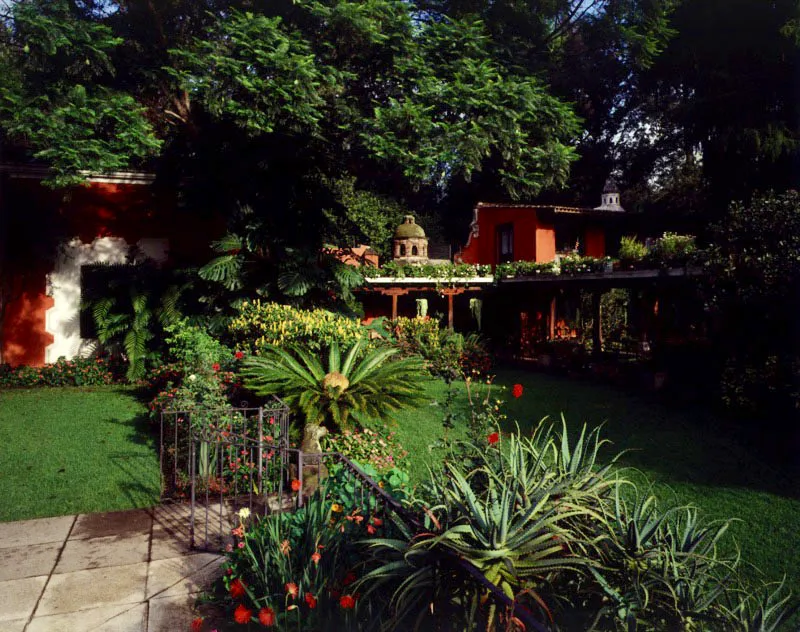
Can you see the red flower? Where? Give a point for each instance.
(377, 521)
(237, 589)
(238, 355)
(347, 602)
(316, 557)
(517, 391)
(296, 484)
(242, 614)
(291, 589)
(311, 600)
(370, 529)
(215, 366)
(493, 438)
(349, 578)
(266, 616)
(197, 624)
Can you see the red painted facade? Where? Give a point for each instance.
(537, 232)
(100, 209)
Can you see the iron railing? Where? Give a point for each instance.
(223, 461)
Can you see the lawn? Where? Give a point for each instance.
(71, 450)
(683, 452)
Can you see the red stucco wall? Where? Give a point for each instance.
(533, 240)
(545, 244)
(130, 211)
(24, 335)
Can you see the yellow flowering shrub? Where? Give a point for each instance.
(259, 324)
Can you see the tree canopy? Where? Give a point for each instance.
(315, 114)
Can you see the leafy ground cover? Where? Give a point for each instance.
(71, 450)
(683, 452)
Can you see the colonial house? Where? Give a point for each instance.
(48, 239)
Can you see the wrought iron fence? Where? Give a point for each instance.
(225, 460)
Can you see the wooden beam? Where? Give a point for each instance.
(450, 310)
(552, 319)
(597, 328)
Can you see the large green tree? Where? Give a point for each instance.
(296, 111)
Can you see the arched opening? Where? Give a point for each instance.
(414, 251)
(402, 250)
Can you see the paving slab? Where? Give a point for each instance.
(39, 531)
(183, 575)
(118, 523)
(171, 614)
(112, 550)
(17, 562)
(83, 590)
(120, 618)
(17, 625)
(18, 597)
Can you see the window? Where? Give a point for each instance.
(505, 243)
(414, 251)
(402, 250)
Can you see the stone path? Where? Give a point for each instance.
(128, 571)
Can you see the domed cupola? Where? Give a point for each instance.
(610, 198)
(410, 242)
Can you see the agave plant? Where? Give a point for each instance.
(502, 525)
(364, 383)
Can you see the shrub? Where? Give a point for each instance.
(631, 249)
(259, 325)
(199, 380)
(377, 448)
(568, 540)
(575, 264)
(77, 372)
(442, 271)
(447, 354)
(673, 249)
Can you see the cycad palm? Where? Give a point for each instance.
(349, 386)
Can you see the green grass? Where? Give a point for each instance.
(65, 451)
(685, 453)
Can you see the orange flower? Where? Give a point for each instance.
(197, 624)
(311, 600)
(242, 614)
(237, 589)
(266, 616)
(493, 438)
(296, 484)
(347, 602)
(370, 529)
(285, 548)
(291, 589)
(316, 557)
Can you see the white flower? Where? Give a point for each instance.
(192, 377)
(244, 513)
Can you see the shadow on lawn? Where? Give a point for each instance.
(139, 477)
(675, 444)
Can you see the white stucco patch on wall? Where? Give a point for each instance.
(64, 285)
